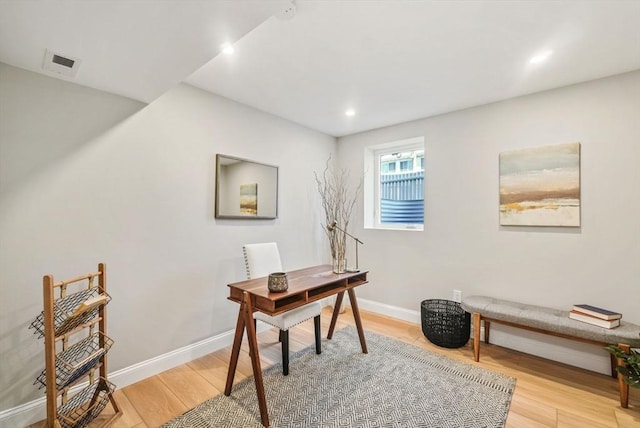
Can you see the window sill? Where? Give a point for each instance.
(406, 228)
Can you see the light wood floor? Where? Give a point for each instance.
(547, 394)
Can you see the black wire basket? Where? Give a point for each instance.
(77, 360)
(445, 323)
(65, 317)
(86, 405)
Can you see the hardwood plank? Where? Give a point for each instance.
(154, 401)
(527, 411)
(191, 388)
(516, 420)
(244, 361)
(129, 416)
(628, 418)
(213, 368)
(576, 420)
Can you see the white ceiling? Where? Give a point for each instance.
(391, 61)
(135, 48)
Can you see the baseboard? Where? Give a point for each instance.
(390, 311)
(553, 348)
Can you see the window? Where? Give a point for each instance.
(394, 185)
(388, 166)
(406, 165)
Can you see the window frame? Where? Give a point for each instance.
(371, 191)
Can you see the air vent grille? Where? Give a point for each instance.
(61, 64)
(63, 61)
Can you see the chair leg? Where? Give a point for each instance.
(280, 336)
(284, 336)
(316, 325)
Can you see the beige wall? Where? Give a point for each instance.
(137, 191)
(463, 247)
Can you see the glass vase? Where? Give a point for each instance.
(339, 265)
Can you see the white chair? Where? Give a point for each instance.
(261, 260)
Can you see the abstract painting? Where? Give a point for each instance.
(249, 199)
(540, 186)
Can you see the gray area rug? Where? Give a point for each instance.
(394, 385)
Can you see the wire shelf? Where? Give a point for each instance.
(68, 313)
(85, 406)
(77, 360)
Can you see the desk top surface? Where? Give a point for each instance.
(300, 281)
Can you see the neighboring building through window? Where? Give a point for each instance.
(394, 185)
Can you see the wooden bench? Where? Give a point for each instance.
(552, 322)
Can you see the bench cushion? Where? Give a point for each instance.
(548, 319)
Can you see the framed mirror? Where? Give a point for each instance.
(245, 189)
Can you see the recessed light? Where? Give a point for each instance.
(227, 49)
(350, 112)
(541, 57)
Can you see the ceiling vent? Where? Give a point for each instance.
(61, 64)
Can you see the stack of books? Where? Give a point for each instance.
(596, 316)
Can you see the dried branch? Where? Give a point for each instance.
(338, 204)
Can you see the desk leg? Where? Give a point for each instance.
(255, 358)
(235, 351)
(356, 316)
(334, 317)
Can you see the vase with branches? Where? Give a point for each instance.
(338, 203)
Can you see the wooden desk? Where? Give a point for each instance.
(305, 286)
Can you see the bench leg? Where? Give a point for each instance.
(614, 364)
(487, 328)
(624, 387)
(476, 336)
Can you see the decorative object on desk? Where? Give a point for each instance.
(339, 265)
(375, 387)
(594, 311)
(540, 186)
(338, 203)
(277, 282)
(579, 316)
(333, 226)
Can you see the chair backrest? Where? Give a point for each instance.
(261, 259)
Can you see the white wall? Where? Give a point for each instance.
(139, 196)
(463, 247)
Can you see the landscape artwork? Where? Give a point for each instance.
(540, 186)
(249, 199)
